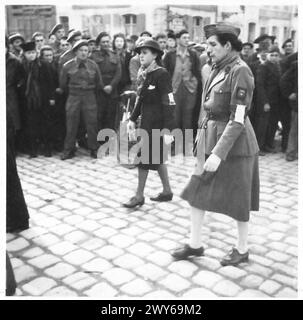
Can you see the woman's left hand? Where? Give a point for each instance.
(212, 163)
(168, 139)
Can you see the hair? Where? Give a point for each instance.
(46, 48)
(64, 38)
(180, 33)
(160, 36)
(285, 42)
(119, 35)
(223, 38)
(146, 32)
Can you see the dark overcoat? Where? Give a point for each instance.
(156, 106)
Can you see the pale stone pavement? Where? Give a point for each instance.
(82, 242)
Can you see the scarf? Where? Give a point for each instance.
(142, 74)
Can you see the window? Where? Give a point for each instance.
(197, 21)
(251, 31)
(130, 22)
(262, 30)
(275, 31)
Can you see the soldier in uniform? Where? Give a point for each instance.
(110, 70)
(81, 77)
(226, 177)
(73, 37)
(16, 40)
(58, 32)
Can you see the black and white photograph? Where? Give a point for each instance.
(151, 150)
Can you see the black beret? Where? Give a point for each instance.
(264, 37)
(14, 37)
(101, 35)
(286, 41)
(72, 35)
(56, 28)
(80, 43)
(219, 28)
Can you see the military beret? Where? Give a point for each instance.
(101, 35)
(46, 47)
(91, 40)
(248, 44)
(286, 41)
(56, 28)
(264, 37)
(14, 37)
(80, 43)
(36, 34)
(219, 28)
(28, 46)
(72, 35)
(171, 35)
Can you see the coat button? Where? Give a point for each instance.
(220, 91)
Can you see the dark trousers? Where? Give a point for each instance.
(292, 147)
(76, 106)
(185, 105)
(265, 128)
(285, 118)
(108, 111)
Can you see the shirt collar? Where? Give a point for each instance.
(79, 61)
(180, 53)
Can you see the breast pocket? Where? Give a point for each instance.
(221, 102)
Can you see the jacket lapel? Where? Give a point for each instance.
(218, 78)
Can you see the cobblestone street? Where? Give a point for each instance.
(82, 242)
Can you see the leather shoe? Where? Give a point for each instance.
(134, 202)
(161, 197)
(186, 252)
(69, 155)
(234, 257)
(93, 154)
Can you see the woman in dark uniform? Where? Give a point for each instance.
(155, 104)
(226, 178)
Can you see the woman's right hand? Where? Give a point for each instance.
(131, 126)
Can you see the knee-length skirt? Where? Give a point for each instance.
(232, 190)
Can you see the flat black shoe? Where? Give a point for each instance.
(161, 197)
(186, 252)
(134, 202)
(234, 257)
(66, 156)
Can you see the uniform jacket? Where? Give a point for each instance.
(65, 57)
(155, 103)
(268, 85)
(78, 81)
(110, 68)
(14, 78)
(228, 132)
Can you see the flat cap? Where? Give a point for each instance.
(72, 35)
(28, 46)
(79, 44)
(264, 37)
(14, 37)
(219, 28)
(56, 28)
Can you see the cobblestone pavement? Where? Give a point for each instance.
(83, 243)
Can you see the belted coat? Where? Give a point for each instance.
(225, 130)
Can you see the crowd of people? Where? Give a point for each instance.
(63, 90)
(52, 110)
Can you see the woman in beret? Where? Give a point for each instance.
(226, 177)
(155, 104)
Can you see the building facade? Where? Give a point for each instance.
(280, 21)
